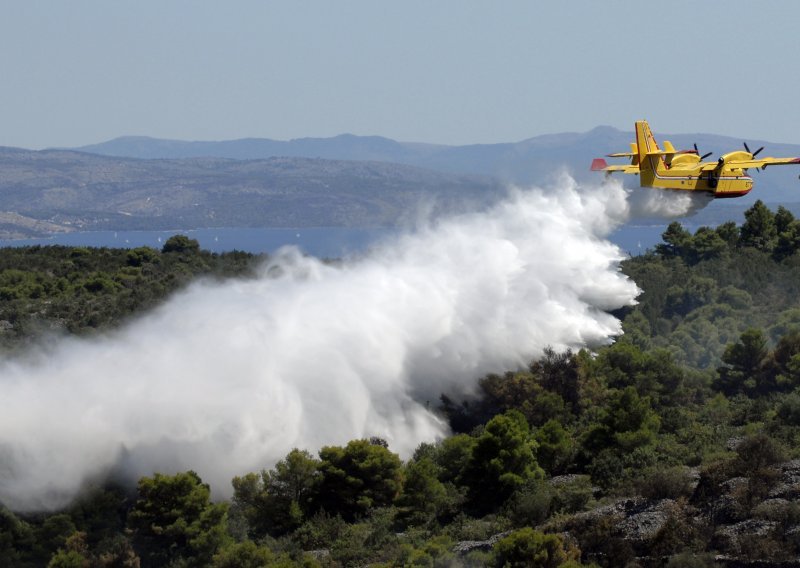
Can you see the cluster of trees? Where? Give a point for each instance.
(702, 291)
(360, 503)
(540, 446)
(79, 290)
(703, 388)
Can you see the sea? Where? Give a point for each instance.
(322, 242)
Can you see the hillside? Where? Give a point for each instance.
(138, 183)
(57, 190)
(637, 454)
(528, 161)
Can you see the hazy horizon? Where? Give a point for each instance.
(448, 72)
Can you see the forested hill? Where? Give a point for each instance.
(55, 191)
(677, 446)
(702, 290)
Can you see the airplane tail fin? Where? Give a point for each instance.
(645, 144)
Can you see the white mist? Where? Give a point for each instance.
(227, 378)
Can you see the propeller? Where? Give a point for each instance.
(704, 156)
(754, 154)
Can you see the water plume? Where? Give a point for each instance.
(227, 378)
(666, 204)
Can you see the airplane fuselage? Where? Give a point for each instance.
(726, 182)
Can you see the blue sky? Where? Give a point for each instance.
(443, 71)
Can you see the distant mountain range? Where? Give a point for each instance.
(347, 180)
(55, 191)
(529, 161)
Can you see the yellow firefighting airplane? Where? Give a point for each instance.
(685, 169)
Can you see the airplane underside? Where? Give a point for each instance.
(722, 187)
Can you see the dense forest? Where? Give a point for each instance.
(675, 446)
(54, 289)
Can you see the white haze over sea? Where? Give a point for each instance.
(226, 378)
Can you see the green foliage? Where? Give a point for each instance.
(452, 456)
(653, 373)
(665, 483)
(675, 239)
(629, 423)
(707, 374)
(410, 556)
(79, 290)
(756, 453)
(140, 256)
(173, 521)
(276, 501)
(53, 534)
(319, 531)
(678, 534)
(556, 447)
(101, 513)
(371, 540)
(606, 468)
(598, 539)
(695, 293)
(707, 244)
(623, 438)
(76, 553)
(759, 229)
(248, 554)
(785, 362)
(572, 495)
(559, 373)
(424, 497)
(530, 548)
(745, 361)
(69, 559)
(788, 410)
(16, 540)
(357, 478)
(702, 291)
(180, 244)
(531, 503)
(549, 389)
(503, 459)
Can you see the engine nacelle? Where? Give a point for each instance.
(738, 155)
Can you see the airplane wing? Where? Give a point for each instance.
(600, 165)
(745, 164)
(761, 162)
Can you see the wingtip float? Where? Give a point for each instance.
(685, 169)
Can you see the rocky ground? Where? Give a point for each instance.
(745, 521)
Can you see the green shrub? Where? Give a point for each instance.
(531, 548)
(665, 483)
